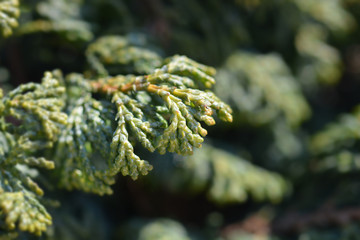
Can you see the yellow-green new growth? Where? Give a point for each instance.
(22, 209)
(9, 12)
(162, 110)
(37, 108)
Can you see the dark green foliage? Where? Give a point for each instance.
(224, 177)
(161, 110)
(116, 54)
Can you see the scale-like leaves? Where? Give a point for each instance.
(161, 111)
(37, 106)
(80, 155)
(37, 110)
(9, 12)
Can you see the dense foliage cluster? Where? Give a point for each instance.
(91, 102)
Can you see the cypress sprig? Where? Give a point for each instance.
(37, 108)
(161, 112)
(9, 12)
(24, 210)
(38, 103)
(92, 125)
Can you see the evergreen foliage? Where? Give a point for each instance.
(259, 83)
(38, 107)
(279, 166)
(224, 177)
(9, 12)
(161, 110)
(335, 147)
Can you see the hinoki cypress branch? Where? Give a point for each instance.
(90, 127)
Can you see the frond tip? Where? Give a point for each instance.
(22, 209)
(9, 12)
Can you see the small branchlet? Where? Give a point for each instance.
(37, 107)
(23, 209)
(9, 12)
(37, 103)
(161, 111)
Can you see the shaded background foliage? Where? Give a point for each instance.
(286, 168)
